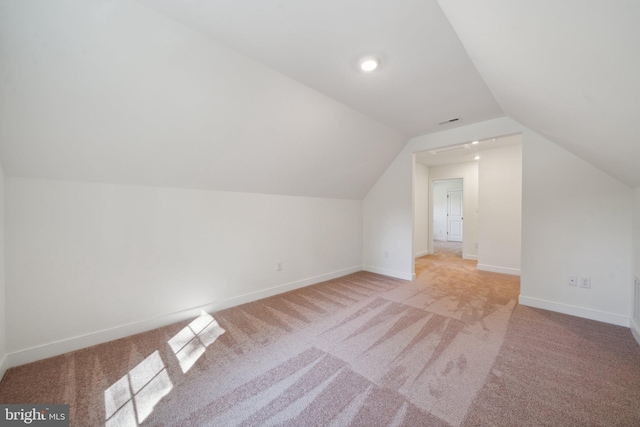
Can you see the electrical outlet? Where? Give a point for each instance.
(572, 280)
(585, 282)
(386, 254)
(279, 266)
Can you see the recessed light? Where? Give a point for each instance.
(476, 158)
(475, 142)
(369, 64)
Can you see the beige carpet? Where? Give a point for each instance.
(440, 246)
(559, 370)
(359, 350)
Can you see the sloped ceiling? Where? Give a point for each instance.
(256, 96)
(568, 69)
(109, 91)
(425, 77)
(265, 96)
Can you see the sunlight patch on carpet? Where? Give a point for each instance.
(191, 342)
(131, 399)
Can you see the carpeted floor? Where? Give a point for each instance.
(559, 370)
(445, 349)
(454, 248)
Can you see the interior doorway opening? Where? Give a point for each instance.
(447, 210)
(491, 236)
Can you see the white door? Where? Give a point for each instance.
(454, 215)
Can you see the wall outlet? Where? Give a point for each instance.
(585, 282)
(279, 266)
(572, 280)
(386, 254)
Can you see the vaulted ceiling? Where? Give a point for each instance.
(568, 69)
(265, 95)
(425, 77)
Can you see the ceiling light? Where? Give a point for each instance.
(475, 142)
(369, 64)
(476, 158)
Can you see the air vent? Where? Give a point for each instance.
(447, 149)
(449, 121)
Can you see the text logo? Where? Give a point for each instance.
(34, 415)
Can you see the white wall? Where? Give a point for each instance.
(84, 258)
(469, 173)
(636, 233)
(576, 220)
(3, 304)
(387, 208)
(590, 234)
(387, 221)
(635, 325)
(500, 209)
(421, 209)
(440, 189)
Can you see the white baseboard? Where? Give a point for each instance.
(471, 257)
(496, 269)
(3, 368)
(586, 313)
(635, 330)
(422, 253)
(56, 348)
(391, 273)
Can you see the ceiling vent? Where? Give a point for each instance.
(449, 121)
(447, 149)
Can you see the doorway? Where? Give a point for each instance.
(447, 212)
(501, 161)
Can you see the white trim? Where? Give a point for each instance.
(422, 253)
(3, 368)
(496, 269)
(587, 313)
(56, 348)
(471, 257)
(635, 330)
(391, 273)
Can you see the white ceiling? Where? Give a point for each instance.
(109, 91)
(264, 95)
(568, 69)
(465, 152)
(425, 78)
